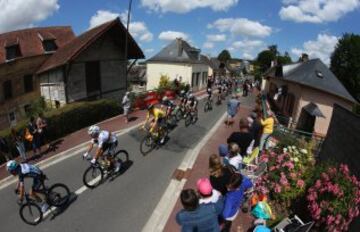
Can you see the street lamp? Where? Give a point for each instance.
(126, 44)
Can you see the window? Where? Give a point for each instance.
(12, 52)
(28, 83)
(7, 88)
(193, 80)
(12, 117)
(27, 109)
(49, 45)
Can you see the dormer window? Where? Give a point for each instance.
(13, 52)
(49, 45)
(319, 74)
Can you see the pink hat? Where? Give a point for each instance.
(204, 186)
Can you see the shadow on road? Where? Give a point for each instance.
(60, 210)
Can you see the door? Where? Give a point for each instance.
(93, 78)
(306, 122)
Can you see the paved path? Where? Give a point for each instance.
(200, 169)
(124, 204)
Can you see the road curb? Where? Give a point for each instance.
(163, 209)
(62, 156)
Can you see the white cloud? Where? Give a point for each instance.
(208, 45)
(247, 56)
(149, 50)
(216, 38)
(321, 48)
(248, 44)
(171, 35)
(241, 26)
(316, 11)
(184, 6)
(137, 29)
(17, 14)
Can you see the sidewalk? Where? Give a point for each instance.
(114, 124)
(200, 169)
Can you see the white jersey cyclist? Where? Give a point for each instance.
(105, 140)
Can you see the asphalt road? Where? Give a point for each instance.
(124, 204)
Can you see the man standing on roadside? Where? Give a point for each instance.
(126, 104)
(233, 106)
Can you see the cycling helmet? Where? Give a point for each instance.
(165, 98)
(191, 95)
(150, 107)
(182, 92)
(11, 166)
(93, 130)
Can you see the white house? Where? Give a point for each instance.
(180, 61)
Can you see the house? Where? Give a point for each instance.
(137, 78)
(178, 60)
(303, 94)
(52, 62)
(91, 66)
(21, 55)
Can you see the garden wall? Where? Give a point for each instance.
(342, 144)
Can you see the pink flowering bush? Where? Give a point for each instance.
(334, 199)
(288, 172)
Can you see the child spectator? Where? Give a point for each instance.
(206, 192)
(198, 217)
(219, 174)
(237, 187)
(234, 159)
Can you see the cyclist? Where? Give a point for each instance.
(192, 103)
(157, 118)
(209, 92)
(106, 141)
(23, 171)
(167, 105)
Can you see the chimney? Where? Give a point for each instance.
(274, 63)
(179, 46)
(304, 57)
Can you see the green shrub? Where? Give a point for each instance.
(73, 117)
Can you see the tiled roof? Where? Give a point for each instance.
(178, 51)
(313, 73)
(80, 43)
(30, 41)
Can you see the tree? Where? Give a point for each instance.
(264, 59)
(285, 59)
(345, 63)
(273, 49)
(224, 56)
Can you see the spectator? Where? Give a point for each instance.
(232, 109)
(4, 148)
(198, 217)
(256, 128)
(243, 138)
(19, 144)
(245, 88)
(234, 159)
(237, 187)
(219, 174)
(268, 128)
(34, 137)
(41, 125)
(206, 192)
(126, 103)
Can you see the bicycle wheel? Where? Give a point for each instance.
(31, 213)
(121, 157)
(194, 117)
(172, 120)
(179, 115)
(147, 144)
(58, 195)
(206, 106)
(188, 119)
(93, 176)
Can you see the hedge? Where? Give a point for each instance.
(71, 118)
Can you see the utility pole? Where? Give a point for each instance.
(126, 44)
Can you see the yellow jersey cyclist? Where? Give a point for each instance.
(106, 142)
(156, 117)
(23, 171)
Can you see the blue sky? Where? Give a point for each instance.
(245, 27)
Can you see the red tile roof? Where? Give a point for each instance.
(71, 50)
(30, 42)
